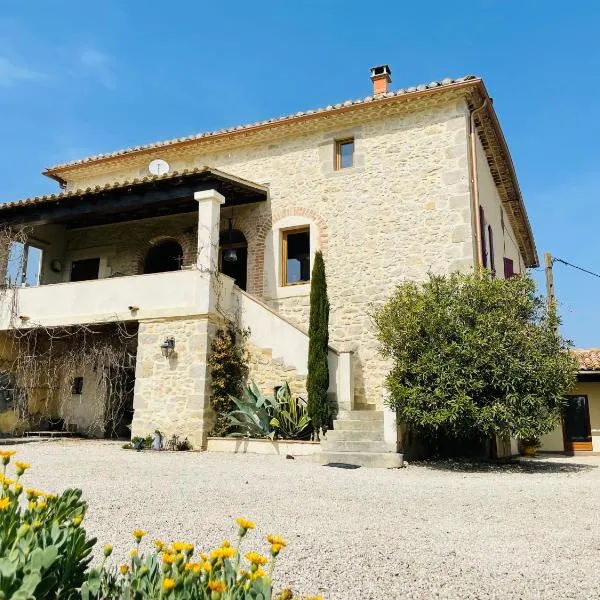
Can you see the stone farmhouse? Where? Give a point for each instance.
(165, 241)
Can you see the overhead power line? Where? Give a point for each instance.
(568, 264)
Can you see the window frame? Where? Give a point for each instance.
(283, 256)
(338, 153)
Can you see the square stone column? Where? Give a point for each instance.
(209, 216)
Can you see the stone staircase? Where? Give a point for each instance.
(357, 439)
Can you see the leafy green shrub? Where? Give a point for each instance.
(44, 551)
(475, 356)
(228, 364)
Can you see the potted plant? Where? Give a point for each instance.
(529, 446)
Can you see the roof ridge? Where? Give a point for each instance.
(165, 143)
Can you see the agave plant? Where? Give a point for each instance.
(254, 414)
(291, 420)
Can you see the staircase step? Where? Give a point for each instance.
(374, 434)
(382, 460)
(351, 446)
(361, 406)
(357, 425)
(360, 415)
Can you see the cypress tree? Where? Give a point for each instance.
(317, 381)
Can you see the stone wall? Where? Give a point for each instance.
(172, 395)
(268, 371)
(402, 210)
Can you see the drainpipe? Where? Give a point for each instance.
(475, 183)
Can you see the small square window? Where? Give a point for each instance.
(344, 154)
(77, 386)
(295, 256)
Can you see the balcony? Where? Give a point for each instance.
(171, 294)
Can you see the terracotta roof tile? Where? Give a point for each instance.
(419, 88)
(131, 182)
(588, 358)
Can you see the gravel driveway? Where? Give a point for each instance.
(530, 531)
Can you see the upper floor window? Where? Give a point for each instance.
(344, 154)
(295, 255)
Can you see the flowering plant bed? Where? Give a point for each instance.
(45, 553)
(243, 445)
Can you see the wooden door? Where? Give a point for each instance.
(576, 424)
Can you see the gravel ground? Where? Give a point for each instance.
(426, 531)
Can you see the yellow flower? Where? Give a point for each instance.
(217, 586)
(276, 549)
(276, 539)
(203, 556)
(222, 553)
(168, 584)
(124, 569)
(108, 550)
(6, 482)
(168, 558)
(21, 467)
(159, 545)
(4, 503)
(133, 553)
(138, 534)
(18, 488)
(244, 524)
(77, 520)
(6, 454)
(32, 505)
(226, 544)
(41, 504)
(183, 547)
(256, 559)
(314, 598)
(206, 566)
(257, 574)
(37, 524)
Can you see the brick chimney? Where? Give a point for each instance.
(381, 76)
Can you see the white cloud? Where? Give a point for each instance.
(99, 65)
(12, 74)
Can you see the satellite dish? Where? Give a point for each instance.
(158, 167)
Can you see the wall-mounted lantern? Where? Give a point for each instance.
(167, 348)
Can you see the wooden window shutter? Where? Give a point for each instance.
(482, 236)
(509, 268)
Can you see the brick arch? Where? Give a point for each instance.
(185, 240)
(256, 242)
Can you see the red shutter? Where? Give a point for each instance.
(491, 244)
(509, 268)
(482, 235)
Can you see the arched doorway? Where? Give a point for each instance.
(233, 256)
(164, 256)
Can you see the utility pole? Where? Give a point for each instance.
(549, 281)
(551, 296)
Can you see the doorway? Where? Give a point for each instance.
(164, 256)
(233, 256)
(118, 408)
(576, 424)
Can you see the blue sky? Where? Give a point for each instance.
(79, 78)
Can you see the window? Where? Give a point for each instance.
(484, 262)
(24, 265)
(509, 268)
(491, 245)
(77, 386)
(295, 256)
(7, 392)
(83, 270)
(163, 257)
(344, 154)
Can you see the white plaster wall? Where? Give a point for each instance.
(504, 238)
(553, 441)
(161, 294)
